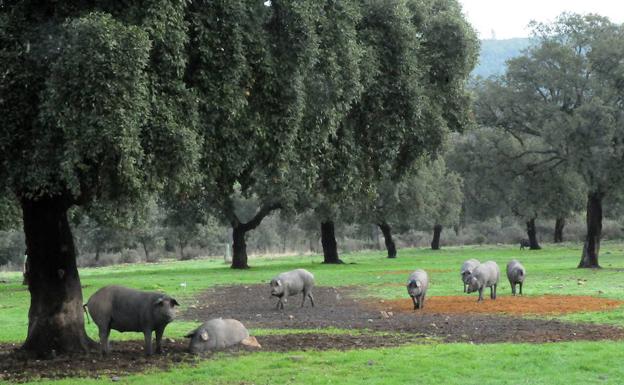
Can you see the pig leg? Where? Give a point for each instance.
(159, 334)
(311, 298)
(147, 334)
(421, 301)
(303, 298)
(415, 303)
(493, 291)
(464, 287)
(520, 288)
(513, 288)
(480, 294)
(104, 334)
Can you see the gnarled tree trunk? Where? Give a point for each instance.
(239, 230)
(435, 243)
(559, 225)
(387, 233)
(591, 248)
(532, 234)
(328, 240)
(55, 317)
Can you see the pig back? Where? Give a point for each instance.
(487, 273)
(122, 308)
(515, 271)
(222, 333)
(297, 280)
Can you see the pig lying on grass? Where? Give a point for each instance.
(130, 310)
(219, 333)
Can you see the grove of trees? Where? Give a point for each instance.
(201, 105)
(158, 122)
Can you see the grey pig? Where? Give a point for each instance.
(515, 274)
(219, 333)
(130, 310)
(417, 285)
(485, 275)
(466, 269)
(524, 243)
(292, 283)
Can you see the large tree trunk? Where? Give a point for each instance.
(328, 240)
(435, 243)
(55, 317)
(559, 225)
(239, 246)
(387, 233)
(532, 234)
(591, 248)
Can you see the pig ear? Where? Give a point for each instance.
(159, 301)
(204, 335)
(418, 284)
(279, 282)
(174, 302)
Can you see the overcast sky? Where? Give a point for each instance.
(509, 18)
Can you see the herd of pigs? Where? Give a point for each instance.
(124, 309)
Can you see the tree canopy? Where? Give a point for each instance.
(561, 102)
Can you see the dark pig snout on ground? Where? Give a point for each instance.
(417, 285)
(125, 310)
(515, 274)
(292, 283)
(466, 270)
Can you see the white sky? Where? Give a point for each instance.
(509, 18)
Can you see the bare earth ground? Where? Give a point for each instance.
(448, 319)
(466, 322)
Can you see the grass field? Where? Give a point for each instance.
(549, 271)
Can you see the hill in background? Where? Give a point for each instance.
(494, 54)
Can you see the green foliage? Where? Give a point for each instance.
(560, 100)
(94, 101)
(499, 180)
(96, 110)
(429, 194)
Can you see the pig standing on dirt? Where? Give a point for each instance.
(515, 274)
(417, 285)
(292, 283)
(485, 275)
(130, 310)
(466, 270)
(219, 333)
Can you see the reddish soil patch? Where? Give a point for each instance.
(253, 306)
(127, 357)
(543, 305)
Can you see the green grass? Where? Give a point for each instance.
(549, 271)
(547, 364)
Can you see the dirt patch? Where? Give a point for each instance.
(543, 305)
(337, 308)
(127, 357)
